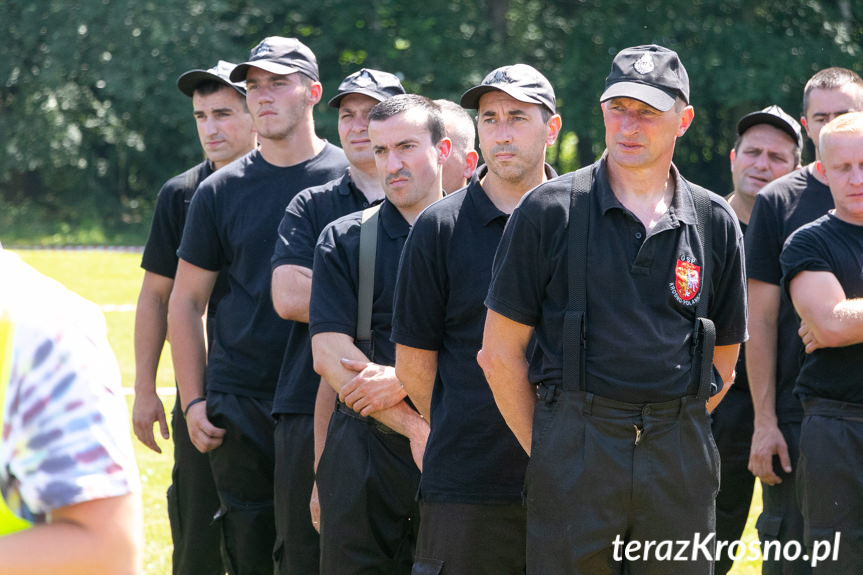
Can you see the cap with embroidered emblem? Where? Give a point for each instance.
(279, 55)
(651, 74)
(520, 81)
(373, 83)
(189, 81)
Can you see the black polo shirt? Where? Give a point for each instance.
(333, 308)
(471, 455)
(166, 231)
(304, 220)
(781, 207)
(829, 245)
(642, 288)
(232, 225)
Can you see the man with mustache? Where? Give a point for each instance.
(369, 470)
(232, 226)
(473, 470)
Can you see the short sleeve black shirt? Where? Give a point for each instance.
(304, 220)
(472, 455)
(169, 219)
(642, 287)
(333, 307)
(829, 245)
(232, 225)
(781, 207)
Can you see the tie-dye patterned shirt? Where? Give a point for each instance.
(65, 423)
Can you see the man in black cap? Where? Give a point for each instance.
(368, 472)
(226, 132)
(304, 219)
(773, 359)
(767, 147)
(613, 406)
(232, 226)
(473, 520)
(461, 164)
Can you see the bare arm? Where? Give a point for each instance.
(324, 403)
(829, 319)
(98, 536)
(416, 369)
(502, 359)
(344, 367)
(724, 359)
(192, 290)
(761, 357)
(292, 289)
(151, 328)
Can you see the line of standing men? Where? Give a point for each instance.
(425, 404)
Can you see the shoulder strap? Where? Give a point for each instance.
(365, 291)
(704, 333)
(574, 323)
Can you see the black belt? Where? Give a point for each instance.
(832, 408)
(342, 408)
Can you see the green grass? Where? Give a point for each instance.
(111, 278)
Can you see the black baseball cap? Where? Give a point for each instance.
(776, 117)
(189, 81)
(651, 74)
(373, 83)
(520, 81)
(279, 55)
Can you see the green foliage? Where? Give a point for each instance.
(92, 123)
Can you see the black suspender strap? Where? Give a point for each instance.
(365, 291)
(574, 323)
(704, 332)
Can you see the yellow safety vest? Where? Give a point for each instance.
(9, 522)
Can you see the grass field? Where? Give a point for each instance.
(112, 280)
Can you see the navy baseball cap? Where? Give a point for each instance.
(279, 55)
(373, 83)
(520, 81)
(651, 74)
(189, 81)
(776, 117)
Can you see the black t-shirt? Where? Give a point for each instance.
(232, 225)
(333, 308)
(472, 455)
(741, 380)
(166, 231)
(304, 220)
(829, 245)
(642, 288)
(781, 207)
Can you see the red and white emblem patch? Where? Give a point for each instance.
(687, 279)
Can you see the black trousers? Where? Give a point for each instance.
(732, 424)
(470, 539)
(830, 483)
(298, 548)
(367, 485)
(780, 518)
(603, 473)
(192, 504)
(243, 472)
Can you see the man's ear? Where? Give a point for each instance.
(686, 118)
(470, 162)
(444, 147)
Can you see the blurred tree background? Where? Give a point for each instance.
(91, 121)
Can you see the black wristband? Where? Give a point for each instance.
(190, 404)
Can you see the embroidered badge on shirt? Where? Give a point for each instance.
(687, 280)
(644, 65)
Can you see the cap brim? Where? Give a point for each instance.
(189, 81)
(470, 99)
(653, 97)
(756, 118)
(238, 74)
(379, 96)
